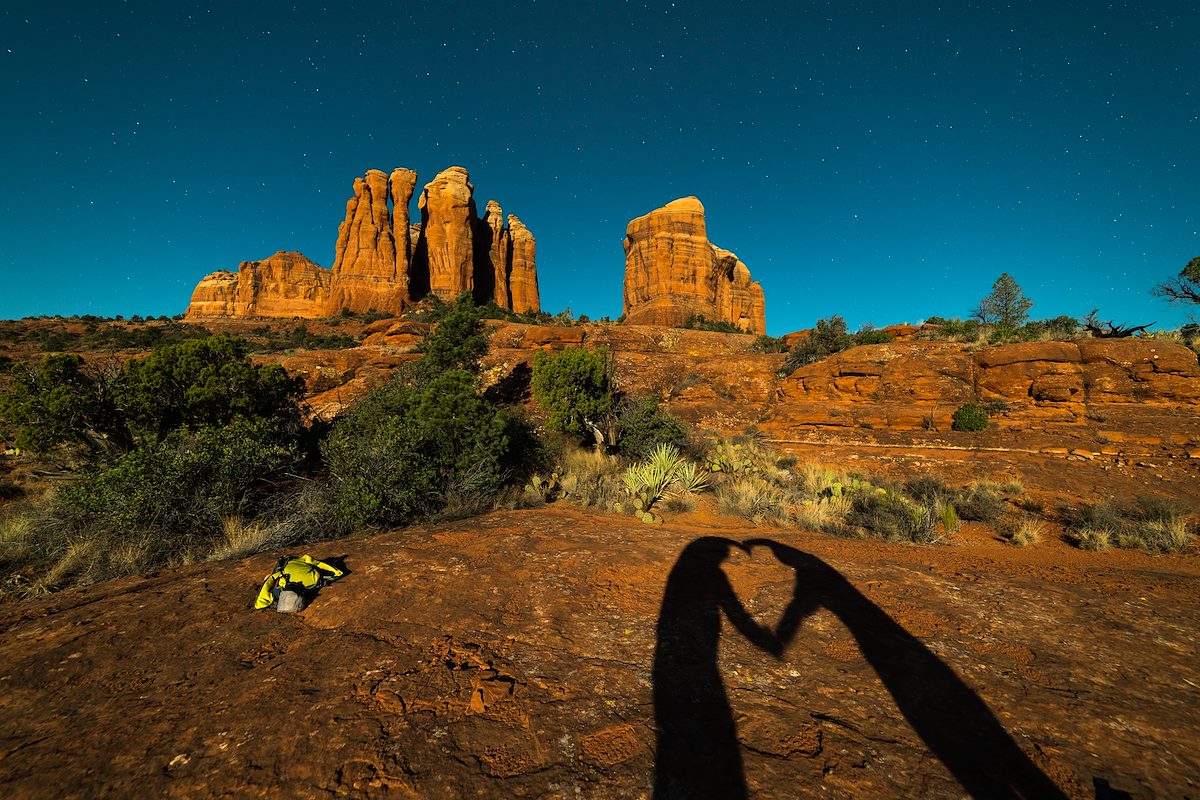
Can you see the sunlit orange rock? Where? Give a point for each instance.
(385, 262)
(285, 285)
(523, 278)
(445, 250)
(672, 272)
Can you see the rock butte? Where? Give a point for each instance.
(385, 263)
(672, 272)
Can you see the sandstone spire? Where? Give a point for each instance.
(522, 277)
(383, 261)
(493, 257)
(444, 251)
(364, 266)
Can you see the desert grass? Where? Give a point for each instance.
(679, 503)
(752, 498)
(243, 538)
(1093, 539)
(1170, 535)
(73, 566)
(15, 530)
(1027, 532)
(947, 519)
(826, 514)
(1154, 524)
(590, 478)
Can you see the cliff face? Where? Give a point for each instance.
(284, 285)
(383, 262)
(672, 272)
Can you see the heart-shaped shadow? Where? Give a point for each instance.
(698, 754)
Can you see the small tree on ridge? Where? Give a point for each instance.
(1007, 305)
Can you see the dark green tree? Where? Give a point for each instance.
(458, 342)
(403, 450)
(644, 425)
(827, 338)
(1185, 288)
(61, 400)
(1007, 305)
(574, 387)
(204, 382)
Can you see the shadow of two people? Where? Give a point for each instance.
(698, 755)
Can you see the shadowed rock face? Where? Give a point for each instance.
(672, 272)
(383, 262)
(493, 257)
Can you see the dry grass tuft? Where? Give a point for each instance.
(1093, 539)
(243, 538)
(1028, 532)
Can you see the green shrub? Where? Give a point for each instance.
(979, 502)
(405, 453)
(869, 335)
(574, 388)
(954, 329)
(645, 425)
(891, 516)
(457, 343)
(827, 338)
(969, 417)
(204, 382)
(163, 503)
(699, 323)
(929, 490)
(768, 344)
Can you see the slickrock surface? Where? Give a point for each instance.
(549, 653)
(284, 285)
(672, 272)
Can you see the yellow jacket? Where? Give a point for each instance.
(298, 574)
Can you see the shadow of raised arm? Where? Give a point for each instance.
(946, 713)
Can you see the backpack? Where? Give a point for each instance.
(299, 577)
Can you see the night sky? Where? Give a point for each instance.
(884, 161)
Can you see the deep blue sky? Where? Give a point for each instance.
(884, 161)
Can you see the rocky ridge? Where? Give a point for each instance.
(383, 262)
(673, 273)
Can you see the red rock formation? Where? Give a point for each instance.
(284, 285)
(912, 385)
(445, 251)
(365, 267)
(493, 257)
(385, 262)
(739, 299)
(672, 272)
(522, 279)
